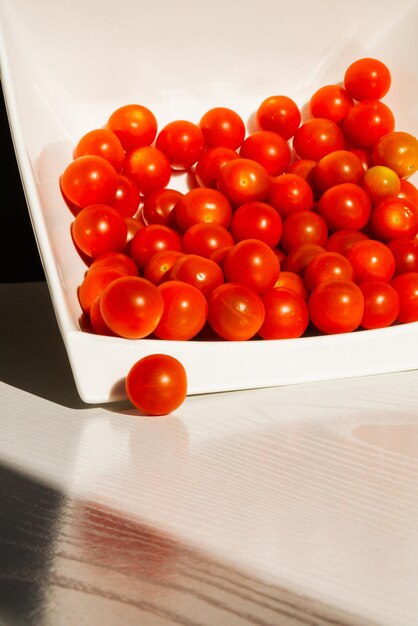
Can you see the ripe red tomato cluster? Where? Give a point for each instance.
(301, 226)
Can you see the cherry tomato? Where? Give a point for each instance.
(220, 254)
(280, 115)
(405, 252)
(299, 257)
(327, 266)
(381, 304)
(151, 239)
(340, 166)
(134, 125)
(236, 312)
(371, 260)
(406, 286)
(303, 227)
(364, 156)
(256, 220)
(185, 311)
(158, 207)
(367, 122)
(94, 283)
(202, 273)
(408, 191)
(204, 239)
(98, 229)
(331, 102)
(345, 206)
(317, 137)
(203, 205)
(288, 193)
(98, 324)
(149, 168)
(380, 182)
(182, 142)
(342, 240)
(394, 218)
(131, 307)
(157, 384)
(269, 149)
(89, 180)
(399, 151)
(116, 260)
(286, 315)
(127, 199)
(133, 224)
(252, 263)
(292, 282)
(210, 164)
(336, 306)
(101, 142)
(304, 168)
(243, 180)
(222, 127)
(158, 267)
(367, 79)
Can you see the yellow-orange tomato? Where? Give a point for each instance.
(381, 182)
(399, 151)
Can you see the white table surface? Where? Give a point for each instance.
(290, 506)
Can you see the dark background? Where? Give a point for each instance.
(19, 255)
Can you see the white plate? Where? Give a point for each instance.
(67, 65)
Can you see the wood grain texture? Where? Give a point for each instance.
(293, 505)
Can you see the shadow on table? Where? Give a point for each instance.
(32, 356)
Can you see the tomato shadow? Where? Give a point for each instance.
(33, 357)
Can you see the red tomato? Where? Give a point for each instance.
(182, 142)
(158, 207)
(342, 240)
(158, 267)
(89, 180)
(243, 180)
(364, 156)
(286, 315)
(252, 263)
(269, 149)
(380, 182)
(134, 125)
(331, 102)
(367, 122)
(98, 229)
(406, 286)
(371, 260)
(204, 239)
(405, 252)
(299, 257)
(256, 220)
(336, 306)
(219, 255)
(341, 166)
(131, 307)
(116, 260)
(316, 138)
(288, 193)
(408, 191)
(149, 168)
(203, 205)
(210, 164)
(94, 283)
(185, 311)
(367, 79)
(345, 206)
(157, 384)
(222, 127)
(394, 218)
(327, 266)
(102, 142)
(151, 239)
(236, 312)
(304, 168)
(98, 324)
(280, 115)
(292, 282)
(399, 151)
(381, 304)
(133, 224)
(202, 273)
(126, 200)
(303, 227)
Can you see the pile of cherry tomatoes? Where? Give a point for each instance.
(300, 226)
